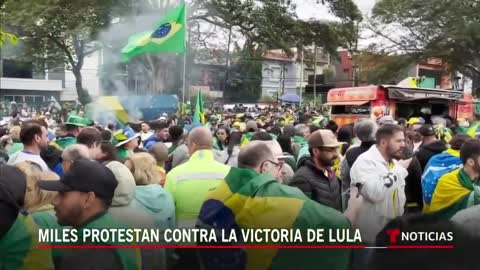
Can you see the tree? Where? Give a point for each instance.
(378, 68)
(447, 29)
(4, 37)
(59, 33)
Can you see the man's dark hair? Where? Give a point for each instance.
(30, 129)
(332, 125)
(158, 125)
(89, 136)
(252, 157)
(175, 132)
(470, 149)
(458, 140)
(285, 142)
(137, 127)
(106, 135)
(387, 131)
(261, 136)
(71, 128)
(110, 152)
(276, 130)
(313, 128)
(289, 130)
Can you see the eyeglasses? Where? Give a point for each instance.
(278, 165)
(221, 134)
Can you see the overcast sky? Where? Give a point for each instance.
(307, 9)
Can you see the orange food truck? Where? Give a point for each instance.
(352, 103)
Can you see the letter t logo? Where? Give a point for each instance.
(393, 233)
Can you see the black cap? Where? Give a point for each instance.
(427, 130)
(85, 176)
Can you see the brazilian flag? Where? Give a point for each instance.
(168, 36)
(454, 192)
(248, 200)
(199, 116)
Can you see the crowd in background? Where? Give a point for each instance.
(272, 167)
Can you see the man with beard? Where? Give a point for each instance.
(460, 188)
(316, 177)
(34, 136)
(85, 193)
(382, 181)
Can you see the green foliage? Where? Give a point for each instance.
(59, 33)
(448, 29)
(4, 37)
(245, 81)
(381, 68)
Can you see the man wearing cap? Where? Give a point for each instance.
(315, 177)
(430, 145)
(85, 193)
(18, 231)
(73, 125)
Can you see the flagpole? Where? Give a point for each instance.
(184, 58)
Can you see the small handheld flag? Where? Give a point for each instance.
(199, 116)
(168, 36)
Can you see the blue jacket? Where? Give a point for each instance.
(148, 143)
(157, 202)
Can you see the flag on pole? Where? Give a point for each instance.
(168, 36)
(199, 116)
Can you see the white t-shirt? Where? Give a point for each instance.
(22, 156)
(145, 136)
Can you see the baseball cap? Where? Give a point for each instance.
(323, 138)
(387, 119)
(85, 176)
(427, 130)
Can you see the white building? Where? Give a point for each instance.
(19, 82)
(283, 74)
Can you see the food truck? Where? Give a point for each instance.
(352, 103)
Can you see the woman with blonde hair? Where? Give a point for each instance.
(149, 194)
(39, 202)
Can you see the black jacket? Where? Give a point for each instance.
(316, 185)
(413, 186)
(425, 152)
(355, 152)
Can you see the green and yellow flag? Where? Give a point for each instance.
(168, 36)
(199, 116)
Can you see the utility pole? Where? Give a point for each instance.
(314, 75)
(301, 79)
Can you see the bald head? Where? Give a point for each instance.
(75, 152)
(254, 154)
(200, 138)
(72, 153)
(160, 152)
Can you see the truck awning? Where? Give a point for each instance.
(410, 94)
(347, 103)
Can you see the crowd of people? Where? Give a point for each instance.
(269, 167)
